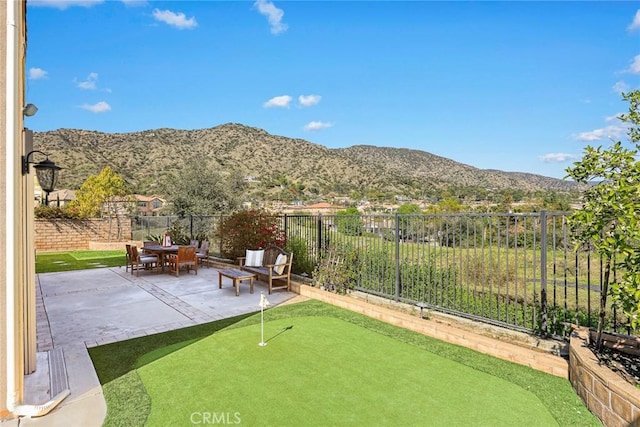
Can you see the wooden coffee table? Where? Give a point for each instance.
(236, 276)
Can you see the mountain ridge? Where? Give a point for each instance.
(150, 159)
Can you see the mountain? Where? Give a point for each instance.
(149, 160)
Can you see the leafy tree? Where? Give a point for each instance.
(555, 202)
(105, 193)
(349, 222)
(448, 205)
(609, 220)
(410, 226)
(200, 190)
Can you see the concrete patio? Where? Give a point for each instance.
(81, 309)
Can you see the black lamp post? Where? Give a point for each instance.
(46, 171)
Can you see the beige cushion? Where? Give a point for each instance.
(254, 258)
(281, 262)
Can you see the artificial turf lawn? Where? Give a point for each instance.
(334, 368)
(78, 260)
(330, 371)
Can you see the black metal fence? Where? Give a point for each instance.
(514, 270)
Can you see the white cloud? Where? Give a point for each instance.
(634, 68)
(557, 157)
(614, 118)
(309, 100)
(134, 3)
(620, 87)
(635, 25)
(315, 126)
(90, 83)
(178, 20)
(63, 4)
(273, 14)
(100, 107)
(278, 101)
(609, 132)
(37, 73)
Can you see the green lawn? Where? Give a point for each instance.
(322, 366)
(78, 260)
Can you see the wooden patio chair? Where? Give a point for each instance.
(147, 243)
(186, 257)
(142, 261)
(203, 253)
(128, 258)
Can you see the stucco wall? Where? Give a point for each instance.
(53, 235)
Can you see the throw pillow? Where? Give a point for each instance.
(254, 258)
(281, 262)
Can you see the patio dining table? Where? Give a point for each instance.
(161, 252)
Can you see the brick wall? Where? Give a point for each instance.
(64, 234)
(606, 394)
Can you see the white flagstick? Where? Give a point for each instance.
(263, 304)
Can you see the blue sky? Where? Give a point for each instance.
(516, 86)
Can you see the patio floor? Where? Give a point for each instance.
(81, 309)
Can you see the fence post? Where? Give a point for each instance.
(286, 227)
(319, 234)
(397, 233)
(220, 229)
(543, 271)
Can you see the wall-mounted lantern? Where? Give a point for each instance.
(46, 172)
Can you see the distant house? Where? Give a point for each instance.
(61, 197)
(135, 204)
(314, 209)
(345, 201)
(149, 205)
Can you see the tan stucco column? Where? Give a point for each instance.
(3, 210)
(14, 282)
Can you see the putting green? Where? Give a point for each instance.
(326, 371)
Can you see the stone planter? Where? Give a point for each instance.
(607, 395)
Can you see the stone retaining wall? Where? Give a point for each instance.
(605, 393)
(52, 235)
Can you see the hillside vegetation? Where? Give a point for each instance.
(281, 167)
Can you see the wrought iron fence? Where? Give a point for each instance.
(515, 270)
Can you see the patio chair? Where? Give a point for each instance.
(128, 258)
(186, 257)
(195, 243)
(148, 243)
(142, 261)
(203, 253)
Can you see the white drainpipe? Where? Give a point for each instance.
(13, 404)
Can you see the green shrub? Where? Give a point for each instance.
(335, 271)
(249, 229)
(302, 263)
(51, 212)
(349, 222)
(179, 233)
